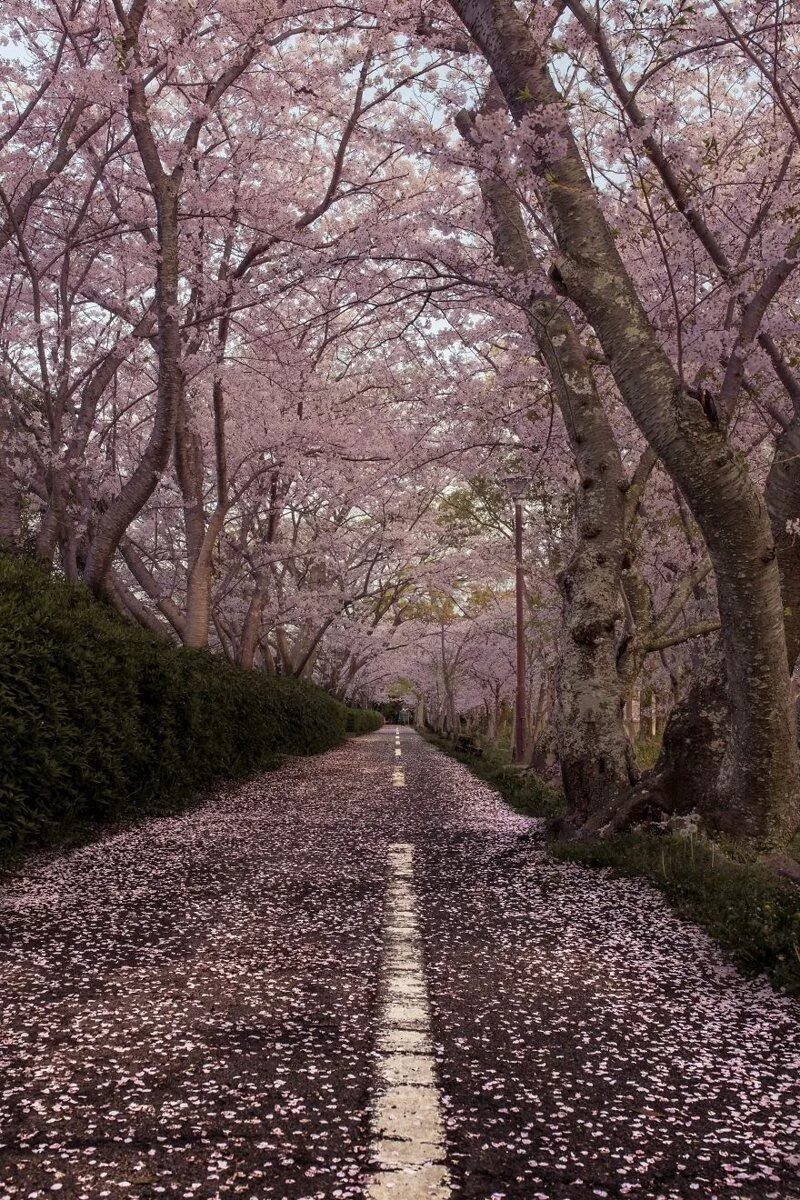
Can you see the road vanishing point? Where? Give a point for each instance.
(360, 976)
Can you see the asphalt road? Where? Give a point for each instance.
(220, 1004)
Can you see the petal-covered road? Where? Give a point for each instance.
(197, 1008)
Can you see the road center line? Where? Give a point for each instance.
(408, 1131)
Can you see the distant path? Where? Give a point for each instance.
(240, 1001)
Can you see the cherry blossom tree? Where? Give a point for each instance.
(689, 431)
(292, 290)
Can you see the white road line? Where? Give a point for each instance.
(408, 1129)
(399, 777)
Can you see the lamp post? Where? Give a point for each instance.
(517, 486)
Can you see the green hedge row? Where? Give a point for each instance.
(99, 720)
(363, 720)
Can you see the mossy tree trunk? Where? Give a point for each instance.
(762, 786)
(592, 745)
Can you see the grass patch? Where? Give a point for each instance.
(754, 916)
(647, 752)
(523, 791)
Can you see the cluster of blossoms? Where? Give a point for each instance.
(287, 293)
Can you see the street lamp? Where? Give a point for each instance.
(517, 485)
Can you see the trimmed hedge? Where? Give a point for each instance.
(363, 720)
(99, 720)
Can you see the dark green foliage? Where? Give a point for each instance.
(521, 789)
(753, 915)
(99, 720)
(363, 720)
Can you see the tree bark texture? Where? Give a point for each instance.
(783, 505)
(763, 784)
(686, 774)
(138, 489)
(592, 745)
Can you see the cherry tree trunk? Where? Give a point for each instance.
(251, 629)
(10, 507)
(10, 491)
(686, 775)
(51, 525)
(197, 620)
(762, 784)
(783, 504)
(592, 746)
(138, 489)
(201, 535)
